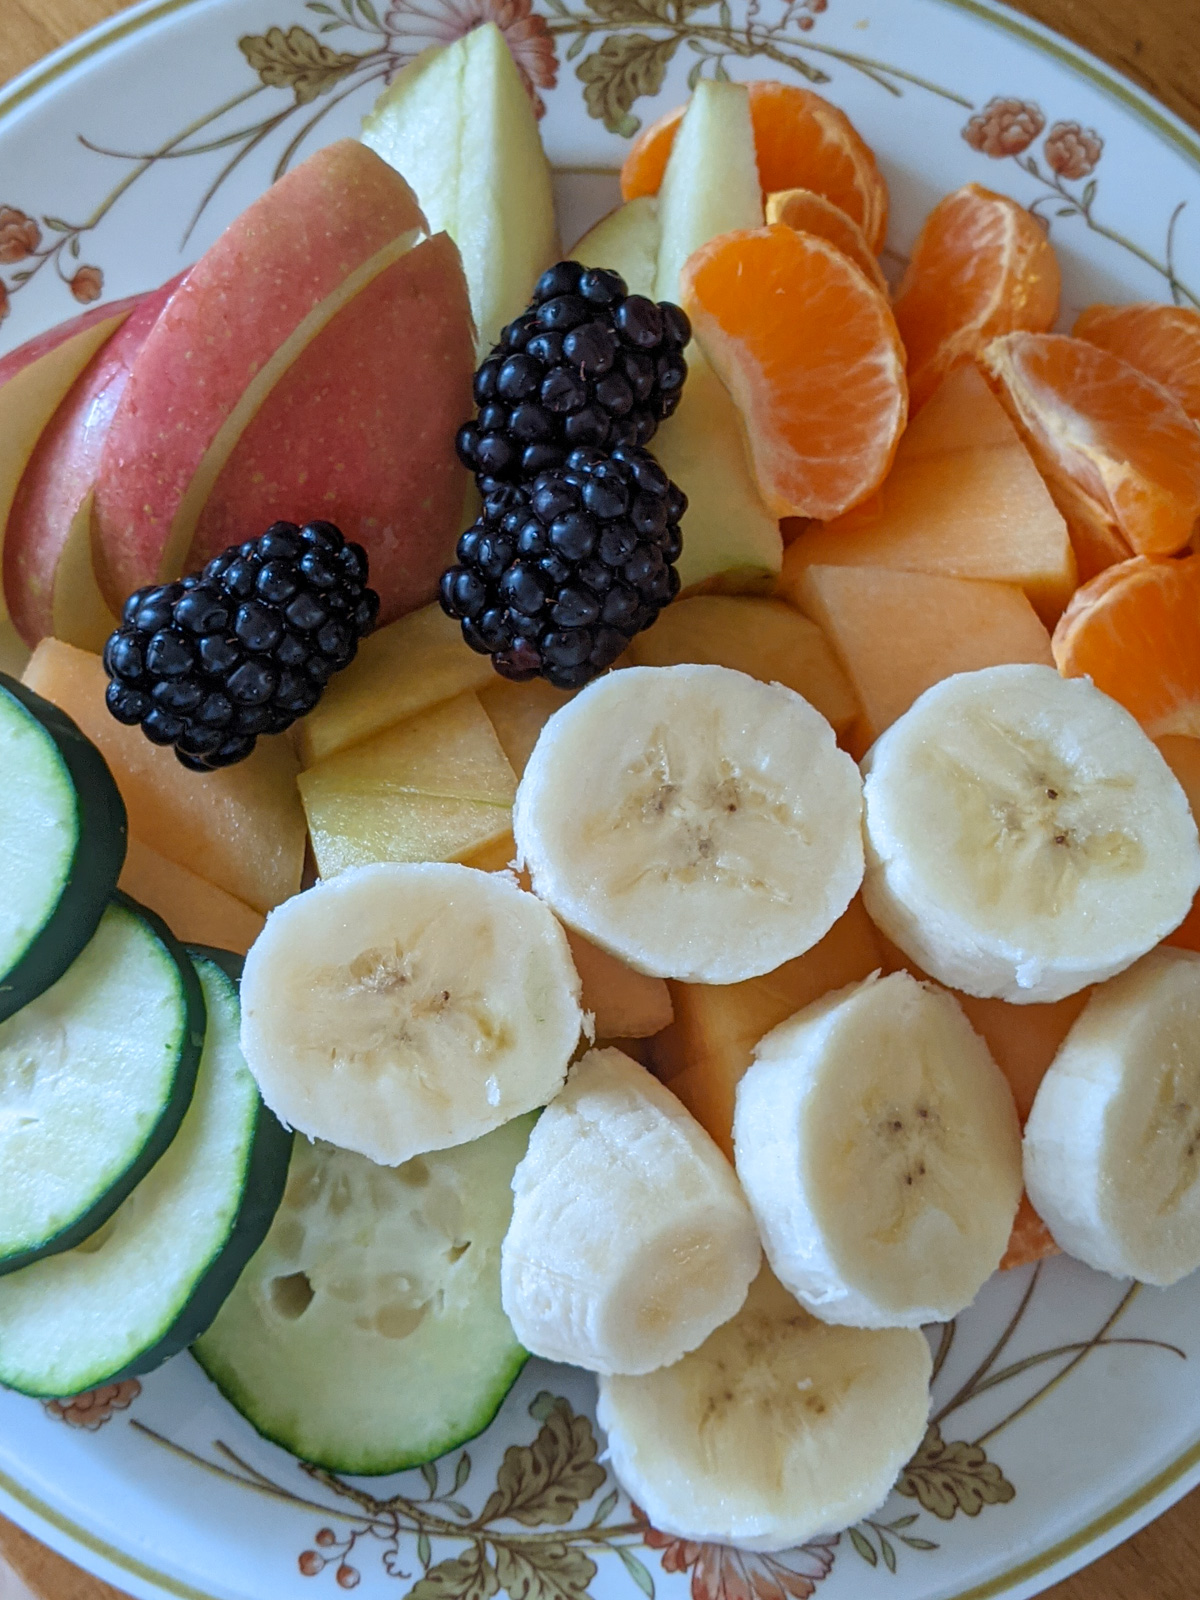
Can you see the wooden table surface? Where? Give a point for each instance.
(1157, 43)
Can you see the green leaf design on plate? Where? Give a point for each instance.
(550, 1571)
(296, 60)
(951, 1477)
(863, 1546)
(636, 1570)
(626, 67)
(470, 1576)
(547, 1481)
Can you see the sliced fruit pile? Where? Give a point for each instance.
(851, 920)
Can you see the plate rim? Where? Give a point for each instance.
(1142, 1504)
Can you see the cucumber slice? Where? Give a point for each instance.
(95, 1076)
(62, 843)
(154, 1276)
(367, 1334)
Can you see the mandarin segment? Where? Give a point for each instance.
(809, 212)
(810, 353)
(981, 266)
(1097, 426)
(1135, 631)
(1161, 341)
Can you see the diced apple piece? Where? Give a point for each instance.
(14, 652)
(195, 911)
(241, 828)
(246, 310)
(963, 498)
(625, 241)
(400, 670)
(705, 1053)
(899, 633)
(435, 788)
(624, 1003)
(49, 582)
(458, 122)
(519, 712)
(360, 431)
(764, 638)
(1182, 755)
(34, 381)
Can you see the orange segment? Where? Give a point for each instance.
(981, 266)
(801, 140)
(1161, 341)
(1113, 435)
(1135, 631)
(809, 212)
(810, 353)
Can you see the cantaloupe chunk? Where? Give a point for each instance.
(437, 787)
(764, 638)
(416, 662)
(706, 1051)
(963, 498)
(1183, 757)
(1030, 1239)
(519, 712)
(195, 911)
(241, 828)
(898, 633)
(625, 1004)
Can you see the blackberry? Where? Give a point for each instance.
(244, 647)
(557, 575)
(588, 364)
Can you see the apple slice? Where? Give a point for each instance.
(459, 124)
(49, 583)
(360, 431)
(625, 241)
(272, 281)
(34, 380)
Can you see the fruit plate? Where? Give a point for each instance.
(1067, 1405)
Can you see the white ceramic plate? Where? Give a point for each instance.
(1067, 1407)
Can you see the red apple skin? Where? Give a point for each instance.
(42, 343)
(62, 470)
(360, 432)
(242, 300)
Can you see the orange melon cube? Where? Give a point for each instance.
(241, 828)
(1030, 1239)
(899, 633)
(706, 1051)
(1182, 755)
(519, 712)
(963, 498)
(195, 911)
(625, 1004)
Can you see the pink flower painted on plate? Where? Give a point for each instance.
(94, 1408)
(421, 23)
(19, 235)
(721, 1573)
(87, 285)
(1005, 127)
(1073, 150)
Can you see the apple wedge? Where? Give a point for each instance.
(711, 187)
(625, 241)
(34, 380)
(247, 309)
(459, 124)
(49, 583)
(360, 431)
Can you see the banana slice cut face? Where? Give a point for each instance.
(630, 1239)
(879, 1147)
(692, 821)
(1112, 1144)
(1024, 837)
(778, 1428)
(403, 1008)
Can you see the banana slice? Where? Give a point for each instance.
(692, 821)
(879, 1147)
(777, 1429)
(403, 1008)
(1024, 836)
(1112, 1144)
(630, 1240)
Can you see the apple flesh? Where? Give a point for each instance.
(625, 241)
(730, 538)
(270, 283)
(49, 583)
(459, 124)
(360, 431)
